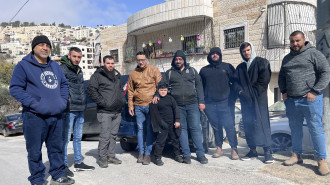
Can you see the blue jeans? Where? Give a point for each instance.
(219, 115)
(144, 126)
(38, 129)
(73, 120)
(299, 108)
(190, 119)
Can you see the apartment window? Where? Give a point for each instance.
(189, 43)
(234, 37)
(114, 54)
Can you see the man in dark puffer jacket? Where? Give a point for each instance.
(106, 91)
(73, 117)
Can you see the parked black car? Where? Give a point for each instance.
(11, 124)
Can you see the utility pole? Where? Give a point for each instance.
(323, 44)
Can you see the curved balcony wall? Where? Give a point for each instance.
(167, 15)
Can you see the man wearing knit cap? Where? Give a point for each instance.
(252, 77)
(186, 87)
(39, 84)
(217, 82)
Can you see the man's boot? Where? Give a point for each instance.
(234, 154)
(217, 153)
(294, 159)
(323, 167)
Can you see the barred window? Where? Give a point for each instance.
(234, 37)
(114, 54)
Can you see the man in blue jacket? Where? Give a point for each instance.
(39, 84)
(73, 118)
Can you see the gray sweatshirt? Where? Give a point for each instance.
(304, 71)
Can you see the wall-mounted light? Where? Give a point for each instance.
(262, 9)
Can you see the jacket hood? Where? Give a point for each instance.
(209, 58)
(179, 53)
(253, 53)
(103, 72)
(32, 59)
(307, 46)
(65, 60)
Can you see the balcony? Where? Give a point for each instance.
(168, 15)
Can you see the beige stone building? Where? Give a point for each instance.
(196, 25)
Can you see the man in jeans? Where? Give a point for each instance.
(217, 80)
(304, 73)
(142, 84)
(40, 85)
(186, 87)
(106, 91)
(73, 118)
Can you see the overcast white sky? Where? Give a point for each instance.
(73, 12)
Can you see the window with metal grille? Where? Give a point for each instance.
(189, 42)
(114, 54)
(234, 37)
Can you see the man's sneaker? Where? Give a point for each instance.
(322, 167)
(234, 154)
(159, 162)
(217, 153)
(146, 160)
(202, 159)
(82, 167)
(178, 158)
(187, 160)
(39, 184)
(294, 159)
(64, 180)
(251, 155)
(140, 158)
(68, 172)
(102, 164)
(269, 158)
(114, 160)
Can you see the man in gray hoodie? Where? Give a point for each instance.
(304, 73)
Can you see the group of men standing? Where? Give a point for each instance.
(54, 100)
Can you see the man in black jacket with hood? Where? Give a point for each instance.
(106, 91)
(73, 117)
(216, 78)
(186, 87)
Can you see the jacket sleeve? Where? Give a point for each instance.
(64, 86)
(93, 93)
(130, 90)
(264, 74)
(281, 79)
(322, 72)
(175, 109)
(199, 88)
(158, 76)
(231, 74)
(18, 87)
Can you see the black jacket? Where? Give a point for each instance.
(74, 75)
(106, 92)
(251, 86)
(217, 79)
(185, 86)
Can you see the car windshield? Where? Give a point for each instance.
(13, 117)
(277, 107)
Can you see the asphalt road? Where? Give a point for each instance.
(14, 168)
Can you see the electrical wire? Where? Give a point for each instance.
(17, 12)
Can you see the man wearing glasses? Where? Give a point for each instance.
(142, 85)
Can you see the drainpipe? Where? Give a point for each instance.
(323, 31)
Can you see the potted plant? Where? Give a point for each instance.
(190, 47)
(200, 49)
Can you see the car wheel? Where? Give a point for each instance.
(281, 142)
(5, 132)
(127, 146)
